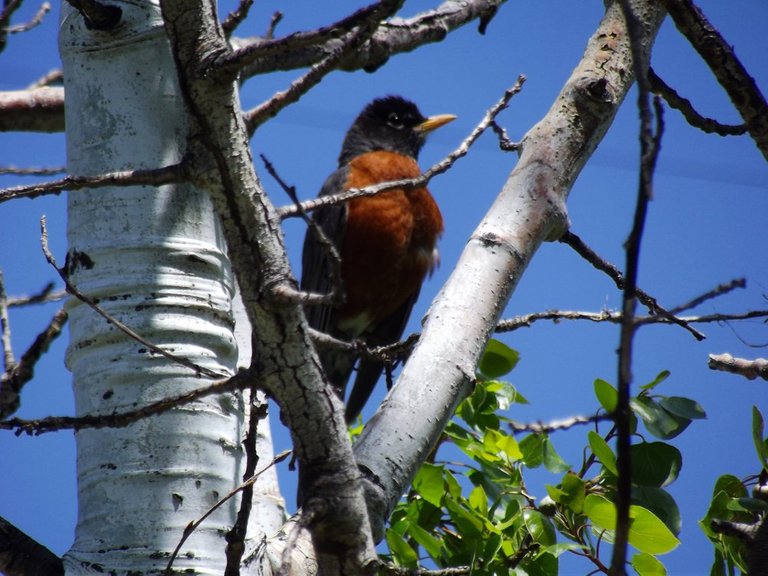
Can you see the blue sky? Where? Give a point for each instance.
(705, 227)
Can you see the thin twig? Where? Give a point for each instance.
(351, 41)
(243, 379)
(555, 425)
(727, 68)
(336, 295)
(14, 379)
(714, 293)
(45, 295)
(72, 289)
(410, 183)
(192, 526)
(685, 107)
(55, 76)
(9, 361)
(650, 144)
(152, 177)
(36, 20)
(265, 48)
(236, 536)
(236, 17)
(603, 265)
(15, 171)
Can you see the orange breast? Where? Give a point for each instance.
(389, 241)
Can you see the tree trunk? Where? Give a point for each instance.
(155, 259)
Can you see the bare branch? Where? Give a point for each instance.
(53, 77)
(593, 258)
(259, 49)
(714, 293)
(45, 295)
(336, 295)
(20, 555)
(31, 171)
(243, 379)
(236, 17)
(36, 20)
(72, 289)
(16, 375)
(153, 177)
(650, 143)
(9, 361)
(750, 369)
(35, 110)
(555, 425)
(686, 108)
(727, 68)
(392, 37)
(350, 42)
(9, 7)
(440, 167)
(615, 317)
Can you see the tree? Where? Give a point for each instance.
(204, 147)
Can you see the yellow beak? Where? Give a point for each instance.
(434, 122)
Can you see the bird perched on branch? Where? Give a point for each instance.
(386, 243)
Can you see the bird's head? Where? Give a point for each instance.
(393, 124)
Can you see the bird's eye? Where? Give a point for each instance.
(395, 121)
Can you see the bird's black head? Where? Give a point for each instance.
(392, 123)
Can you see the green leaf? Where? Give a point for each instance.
(758, 427)
(552, 460)
(659, 501)
(478, 500)
(539, 527)
(428, 483)
(402, 553)
(498, 443)
(498, 360)
(532, 448)
(574, 491)
(506, 394)
(649, 534)
(603, 452)
(647, 565)
(660, 377)
(426, 540)
(683, 407)
(646, 532)
(606, 395)
(655, 464)
(659, 421)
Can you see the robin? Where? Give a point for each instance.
(386, 243)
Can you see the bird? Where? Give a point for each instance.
(386, 243)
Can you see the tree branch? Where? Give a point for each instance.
(593, 258)
(243, 379)
(392, 37)
(20, 555)
(727, 68)
(153, 177)
(650, 143)
(750, 369)
(689, 113)
(34, 110)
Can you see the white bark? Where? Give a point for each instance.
(155, 259)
